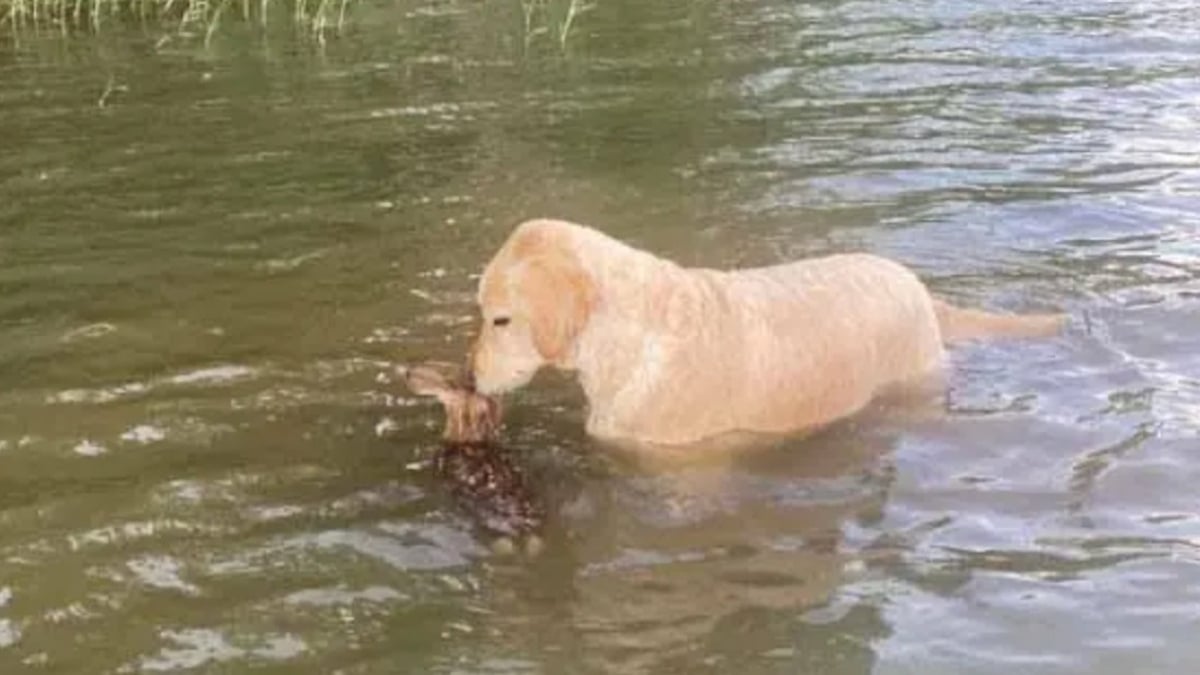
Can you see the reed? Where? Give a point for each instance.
(195, 16)
(543, 22)
(552, 18)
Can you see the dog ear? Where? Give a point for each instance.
(559, 297)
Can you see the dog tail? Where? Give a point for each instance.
(957, 323)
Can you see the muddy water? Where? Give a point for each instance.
(212, 258)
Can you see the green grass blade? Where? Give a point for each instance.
(213, 22)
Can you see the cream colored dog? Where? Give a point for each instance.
(670, 355)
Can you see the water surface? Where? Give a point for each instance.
(211, 259)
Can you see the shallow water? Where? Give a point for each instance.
(212, 259)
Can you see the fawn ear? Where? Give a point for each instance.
(559, 297)
(428, 380)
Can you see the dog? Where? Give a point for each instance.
(669, 355)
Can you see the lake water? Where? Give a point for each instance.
(212, 259)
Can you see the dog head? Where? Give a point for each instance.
(534, 299)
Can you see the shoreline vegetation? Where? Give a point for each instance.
(184, 16)
(553, 19)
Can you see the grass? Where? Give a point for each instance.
(545, 16)
(317, 16)
(544, 20)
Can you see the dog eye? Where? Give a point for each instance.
(501, 321)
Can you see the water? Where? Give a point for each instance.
(211, 259)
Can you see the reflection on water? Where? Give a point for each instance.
(207, 465)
